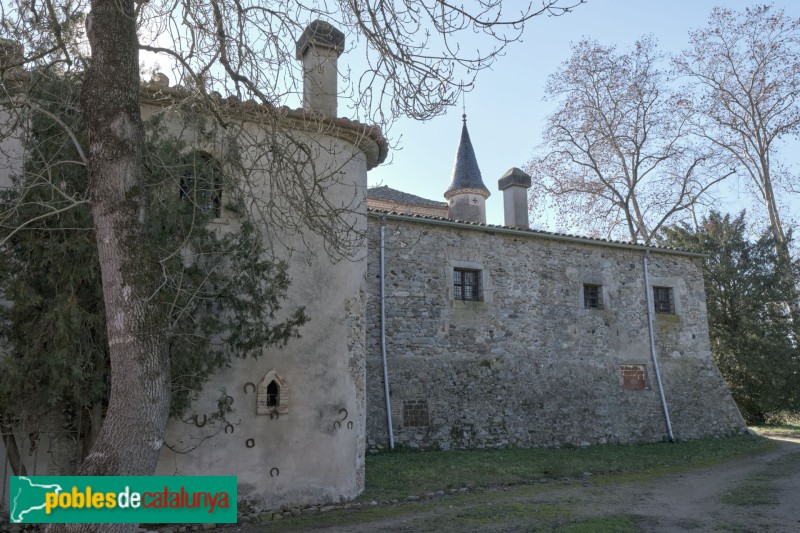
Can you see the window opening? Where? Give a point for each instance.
(201, 184)
(593, 296)
(466, 285)
(663, 301)
(273, 394)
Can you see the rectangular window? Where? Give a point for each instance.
(467, 285)
(201, 184)
(662, 300)
(204, 195)
(592, 296)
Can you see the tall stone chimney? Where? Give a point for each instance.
(515, 184)
(319, 49)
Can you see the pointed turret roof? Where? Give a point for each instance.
(466, 174)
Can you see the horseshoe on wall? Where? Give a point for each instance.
(276, 414)
(343, 410)
(276, 472)
(251, 384)
(350, 425)
(198, 424)
(249, 443)
(229, 426)
(229, 399)
(337, 424)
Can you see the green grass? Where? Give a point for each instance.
(603, 524)
(758, 490)
(787, 429)
(761, 488)
(506, 511)
(475, 517)
(397, 474)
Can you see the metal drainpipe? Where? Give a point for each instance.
(383, 343)
(648, 300)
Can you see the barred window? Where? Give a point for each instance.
(201, 183)
(593, 296)
(467, 285)
(663, 301)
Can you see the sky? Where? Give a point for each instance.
(506, 112)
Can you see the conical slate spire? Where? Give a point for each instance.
(466, 174)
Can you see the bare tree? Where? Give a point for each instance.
(745, 68)
(618, 153)
(244, 49)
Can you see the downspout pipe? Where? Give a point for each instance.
(383, 339)
(648, 294)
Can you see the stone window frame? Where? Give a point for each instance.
(598, 296)
(599, 280)
(484, 281)
(467, 286)
(677, 288)
(263, 406)
(663, 300)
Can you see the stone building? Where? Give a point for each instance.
(506, 336)
(296, 433)
(493, 335)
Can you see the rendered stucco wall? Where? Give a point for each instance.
(470, 207)
(11, 150)
(529, 365)
(314, 451)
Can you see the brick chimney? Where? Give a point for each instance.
(319, 49)
(515, 184)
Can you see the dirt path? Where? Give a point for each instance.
(753, 494)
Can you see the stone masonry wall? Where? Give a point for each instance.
(530, 365)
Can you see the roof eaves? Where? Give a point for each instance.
(566, 237)
(368, 138)
(387, 194)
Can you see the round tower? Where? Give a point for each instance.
(466, 196)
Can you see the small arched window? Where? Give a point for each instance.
(273, 395)
(201, 183)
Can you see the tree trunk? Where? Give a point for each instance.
(12, 450)
(132, 434)
(94, 422)
(782, 250)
